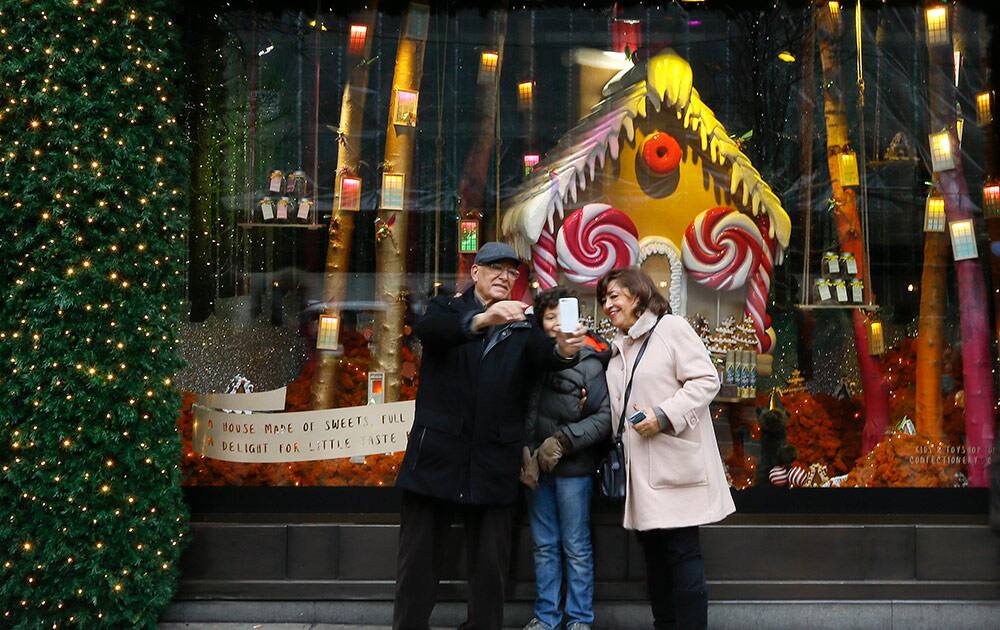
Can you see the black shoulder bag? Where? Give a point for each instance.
(611, 470)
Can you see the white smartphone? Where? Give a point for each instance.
(569, 314)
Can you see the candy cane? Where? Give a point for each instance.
(760, 285)
(723, 249)
(521, 290)
(543, 257)
(594, 240)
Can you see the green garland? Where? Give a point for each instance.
(91, 274)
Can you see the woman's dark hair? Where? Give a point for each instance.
(549, 298)
(635, 281)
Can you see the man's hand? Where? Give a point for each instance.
(583, 399)
(549, 453)
(569, 344)
(649, 425)
(529, 469)
(498, 314)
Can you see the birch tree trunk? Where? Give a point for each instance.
(975, 329)
(341, 228)
(929, 405)
(391, 250)
(876, 393)
(930, 340)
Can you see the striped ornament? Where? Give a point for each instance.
(778, 476)
(797, 476)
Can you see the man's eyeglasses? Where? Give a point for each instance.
(497, 269)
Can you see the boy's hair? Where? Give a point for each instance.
(549, 298)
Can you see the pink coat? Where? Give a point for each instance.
(674, 480)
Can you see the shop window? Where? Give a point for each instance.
(295, 283)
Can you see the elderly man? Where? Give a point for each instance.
(480, 351)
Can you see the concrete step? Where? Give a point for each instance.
(743, 561)
(723, 615)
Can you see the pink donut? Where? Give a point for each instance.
(661, 153)
(594, 240)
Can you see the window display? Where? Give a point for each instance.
(798, 181)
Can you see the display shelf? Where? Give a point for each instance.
(830, 307)
(301, 226)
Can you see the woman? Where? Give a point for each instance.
(676, 481)
(568, 415)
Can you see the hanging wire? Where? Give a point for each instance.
(497, 139)
(439, 140)
(863, 157)
(808, 113)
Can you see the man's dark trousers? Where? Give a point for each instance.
(423, 538)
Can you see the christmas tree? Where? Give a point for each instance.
(723, 339)
(92, 274)
(700, 325)
(746, 335)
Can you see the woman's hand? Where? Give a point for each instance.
(649, 426)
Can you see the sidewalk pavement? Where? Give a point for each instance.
(275, 626)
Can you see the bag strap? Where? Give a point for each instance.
(628, 386)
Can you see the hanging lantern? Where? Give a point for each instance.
(937, 25)
(405, 108)
(393, 185)
(350, 193)
(626, 34)
(942, 158)
(328, 335)
(934, 220)
(963, 240)
(959, 128)
(834, 7)
(359, 35)
(376, 391)
(848, 162)
(525, 94)
(991, 199)
(984, 108)
(488, 66)
(876, 338)
(468, 236)
(530, 162)
(957, 55)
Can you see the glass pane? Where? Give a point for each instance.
(348, 166)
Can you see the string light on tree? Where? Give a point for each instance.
(92, 128)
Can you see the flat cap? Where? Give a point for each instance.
(494, 252)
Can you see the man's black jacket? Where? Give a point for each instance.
(467, 435)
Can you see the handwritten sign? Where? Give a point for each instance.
(300, 436)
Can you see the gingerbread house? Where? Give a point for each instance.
(651, 177)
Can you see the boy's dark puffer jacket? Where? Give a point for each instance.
(554, 408)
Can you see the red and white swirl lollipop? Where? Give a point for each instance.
(723, 249)
(593, 241)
